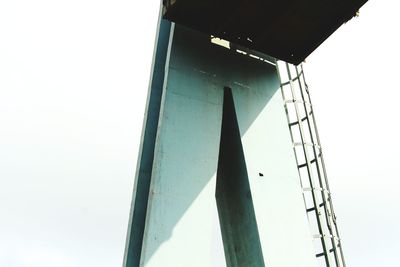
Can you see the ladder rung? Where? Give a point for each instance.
(306, 189)
(291, 101)
(294, 79)
(306, 144)
(313, 208)
(312, 161)
(303, 119)
(305, 164)
(323, 253)
(319, 236)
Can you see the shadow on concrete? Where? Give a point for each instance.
(237, 218)
(198, 72)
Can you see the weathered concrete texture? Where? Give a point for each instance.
(181, 211)
(145, 159)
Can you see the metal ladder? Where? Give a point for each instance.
(310, 164)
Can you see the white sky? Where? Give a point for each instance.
(73, 84)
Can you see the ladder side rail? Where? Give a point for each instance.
(309, 171)
(324, 193)
(318, 254)
(324, 171)
(290, 131)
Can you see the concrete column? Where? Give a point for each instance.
(181, 215)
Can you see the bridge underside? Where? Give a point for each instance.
(286, 29)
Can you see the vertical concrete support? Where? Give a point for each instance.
(181, 205)
(179, 221)
(145, 159)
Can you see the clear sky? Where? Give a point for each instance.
(73, 84)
